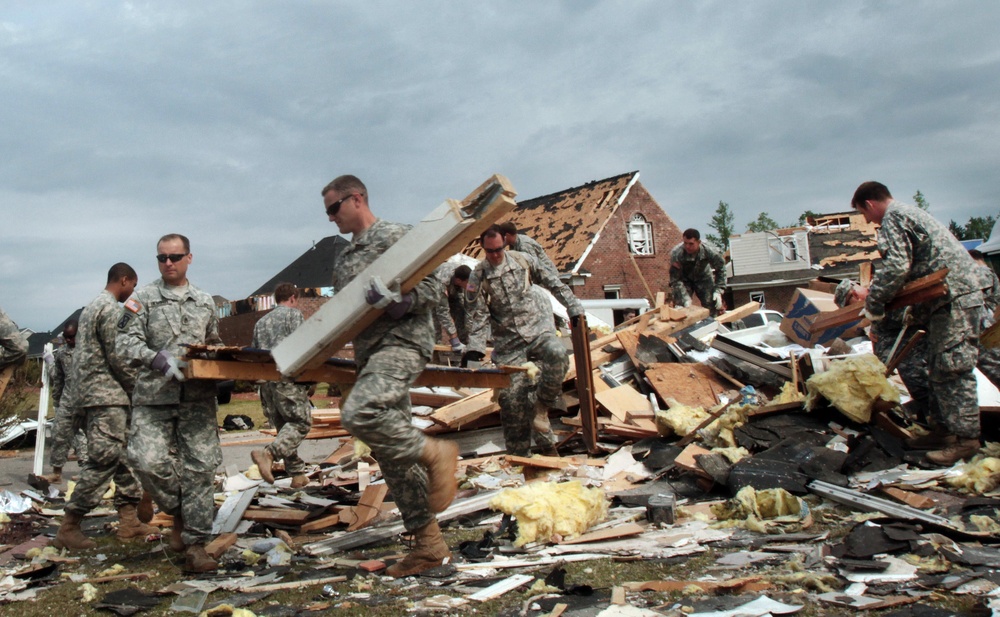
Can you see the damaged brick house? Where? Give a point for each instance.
(768, 266)
(601, 235)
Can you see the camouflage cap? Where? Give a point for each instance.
(842, 294)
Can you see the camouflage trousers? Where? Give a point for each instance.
(517, 402)
(913, 368)
(703, 288)
(377, 411)
(107, 435)
(174, 450)
(65, 436)
(287, 408)
(952, 342)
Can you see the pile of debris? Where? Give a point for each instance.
(780, 471)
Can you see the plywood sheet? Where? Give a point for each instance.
(694, 385)
(621, 400)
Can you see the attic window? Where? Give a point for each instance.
(783, 250)
(640, 235)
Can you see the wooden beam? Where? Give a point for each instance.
(738, 313)
(433, 375)
(441, 234)
(585, 381)
(923, 289)
(466, 410)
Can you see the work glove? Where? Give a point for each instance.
(381, 297)
(456, 345)
(865, 313)
(166, 363)
(908, 319)
(472, 356)
(49, 358)
(717, 298)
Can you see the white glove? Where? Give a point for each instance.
(456, 345)
(48, 358)
(717, 298)
(870, 317)
(379, 295)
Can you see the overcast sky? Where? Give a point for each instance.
(223, 120)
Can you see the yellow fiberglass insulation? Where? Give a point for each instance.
(979, 476)
(546, 509)
(789, 394)
(720, 432)
(679, 419)
(852, 385)
(750, 504)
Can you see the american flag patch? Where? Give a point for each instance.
(133, 305)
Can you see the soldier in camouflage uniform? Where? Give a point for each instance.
(501, 297)
(989, 357)
(914, 245)
(450, 305)
(286, 404)
(13, 346)
(526, 244)
(66, 430)
(173, 443)
(105, 404)
(697, 268)
(390, 354)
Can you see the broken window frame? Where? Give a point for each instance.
(783, 249)
(640, 235)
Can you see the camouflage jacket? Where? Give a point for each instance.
(159, 317)
(96, 361)
(61, 375)
(991, 288)
(415, 329)
(13, 346)
(527, 244)
(272, 328)
(442, 310)
(705, 265)
(502, 299)
(913, 244)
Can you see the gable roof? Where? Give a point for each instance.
(568, 223)
(314, 268)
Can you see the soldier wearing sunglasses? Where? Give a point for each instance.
(173, 441)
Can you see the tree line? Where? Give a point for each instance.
(723, 223)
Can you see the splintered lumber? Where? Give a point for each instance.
(584, 381)
(296, 584)
(369, 504)
(284, 516)
(220, 544)
(344, 373)
(501, 587)
(923, 289)
(441, 234)
(694, 314)
(545, 462)
(752, 355)
(738, 313)
(629, 339)
(621, 400)
(695, 385)
(320, 523)
(466, 410)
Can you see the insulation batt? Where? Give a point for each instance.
(982, 475)
(545, 509)
(852, 385)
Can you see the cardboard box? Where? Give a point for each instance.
(806, 307)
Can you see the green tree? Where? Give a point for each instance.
(764, 222)
(722, 223)
(806, 215)
(920, 201)
(956, 229)
(979, 227)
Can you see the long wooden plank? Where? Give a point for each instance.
(466, 410)
(585, 382)
(923, 289)
(276, 515)
(441, 234)
(433, 375)
(739, 312)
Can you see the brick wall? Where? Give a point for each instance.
(609, 262)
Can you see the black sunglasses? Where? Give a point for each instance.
(499, 249)
(334, 208)
(173, 257)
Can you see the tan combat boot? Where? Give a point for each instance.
(197, 560)
(144, 509)
(176, 541)
(299, 481)
(264, 461)
(440, 457)
(53, 478)
(429, 551)
(129, 525)
(70, 535)
(958, 450)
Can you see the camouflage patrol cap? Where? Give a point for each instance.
(842, 294)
